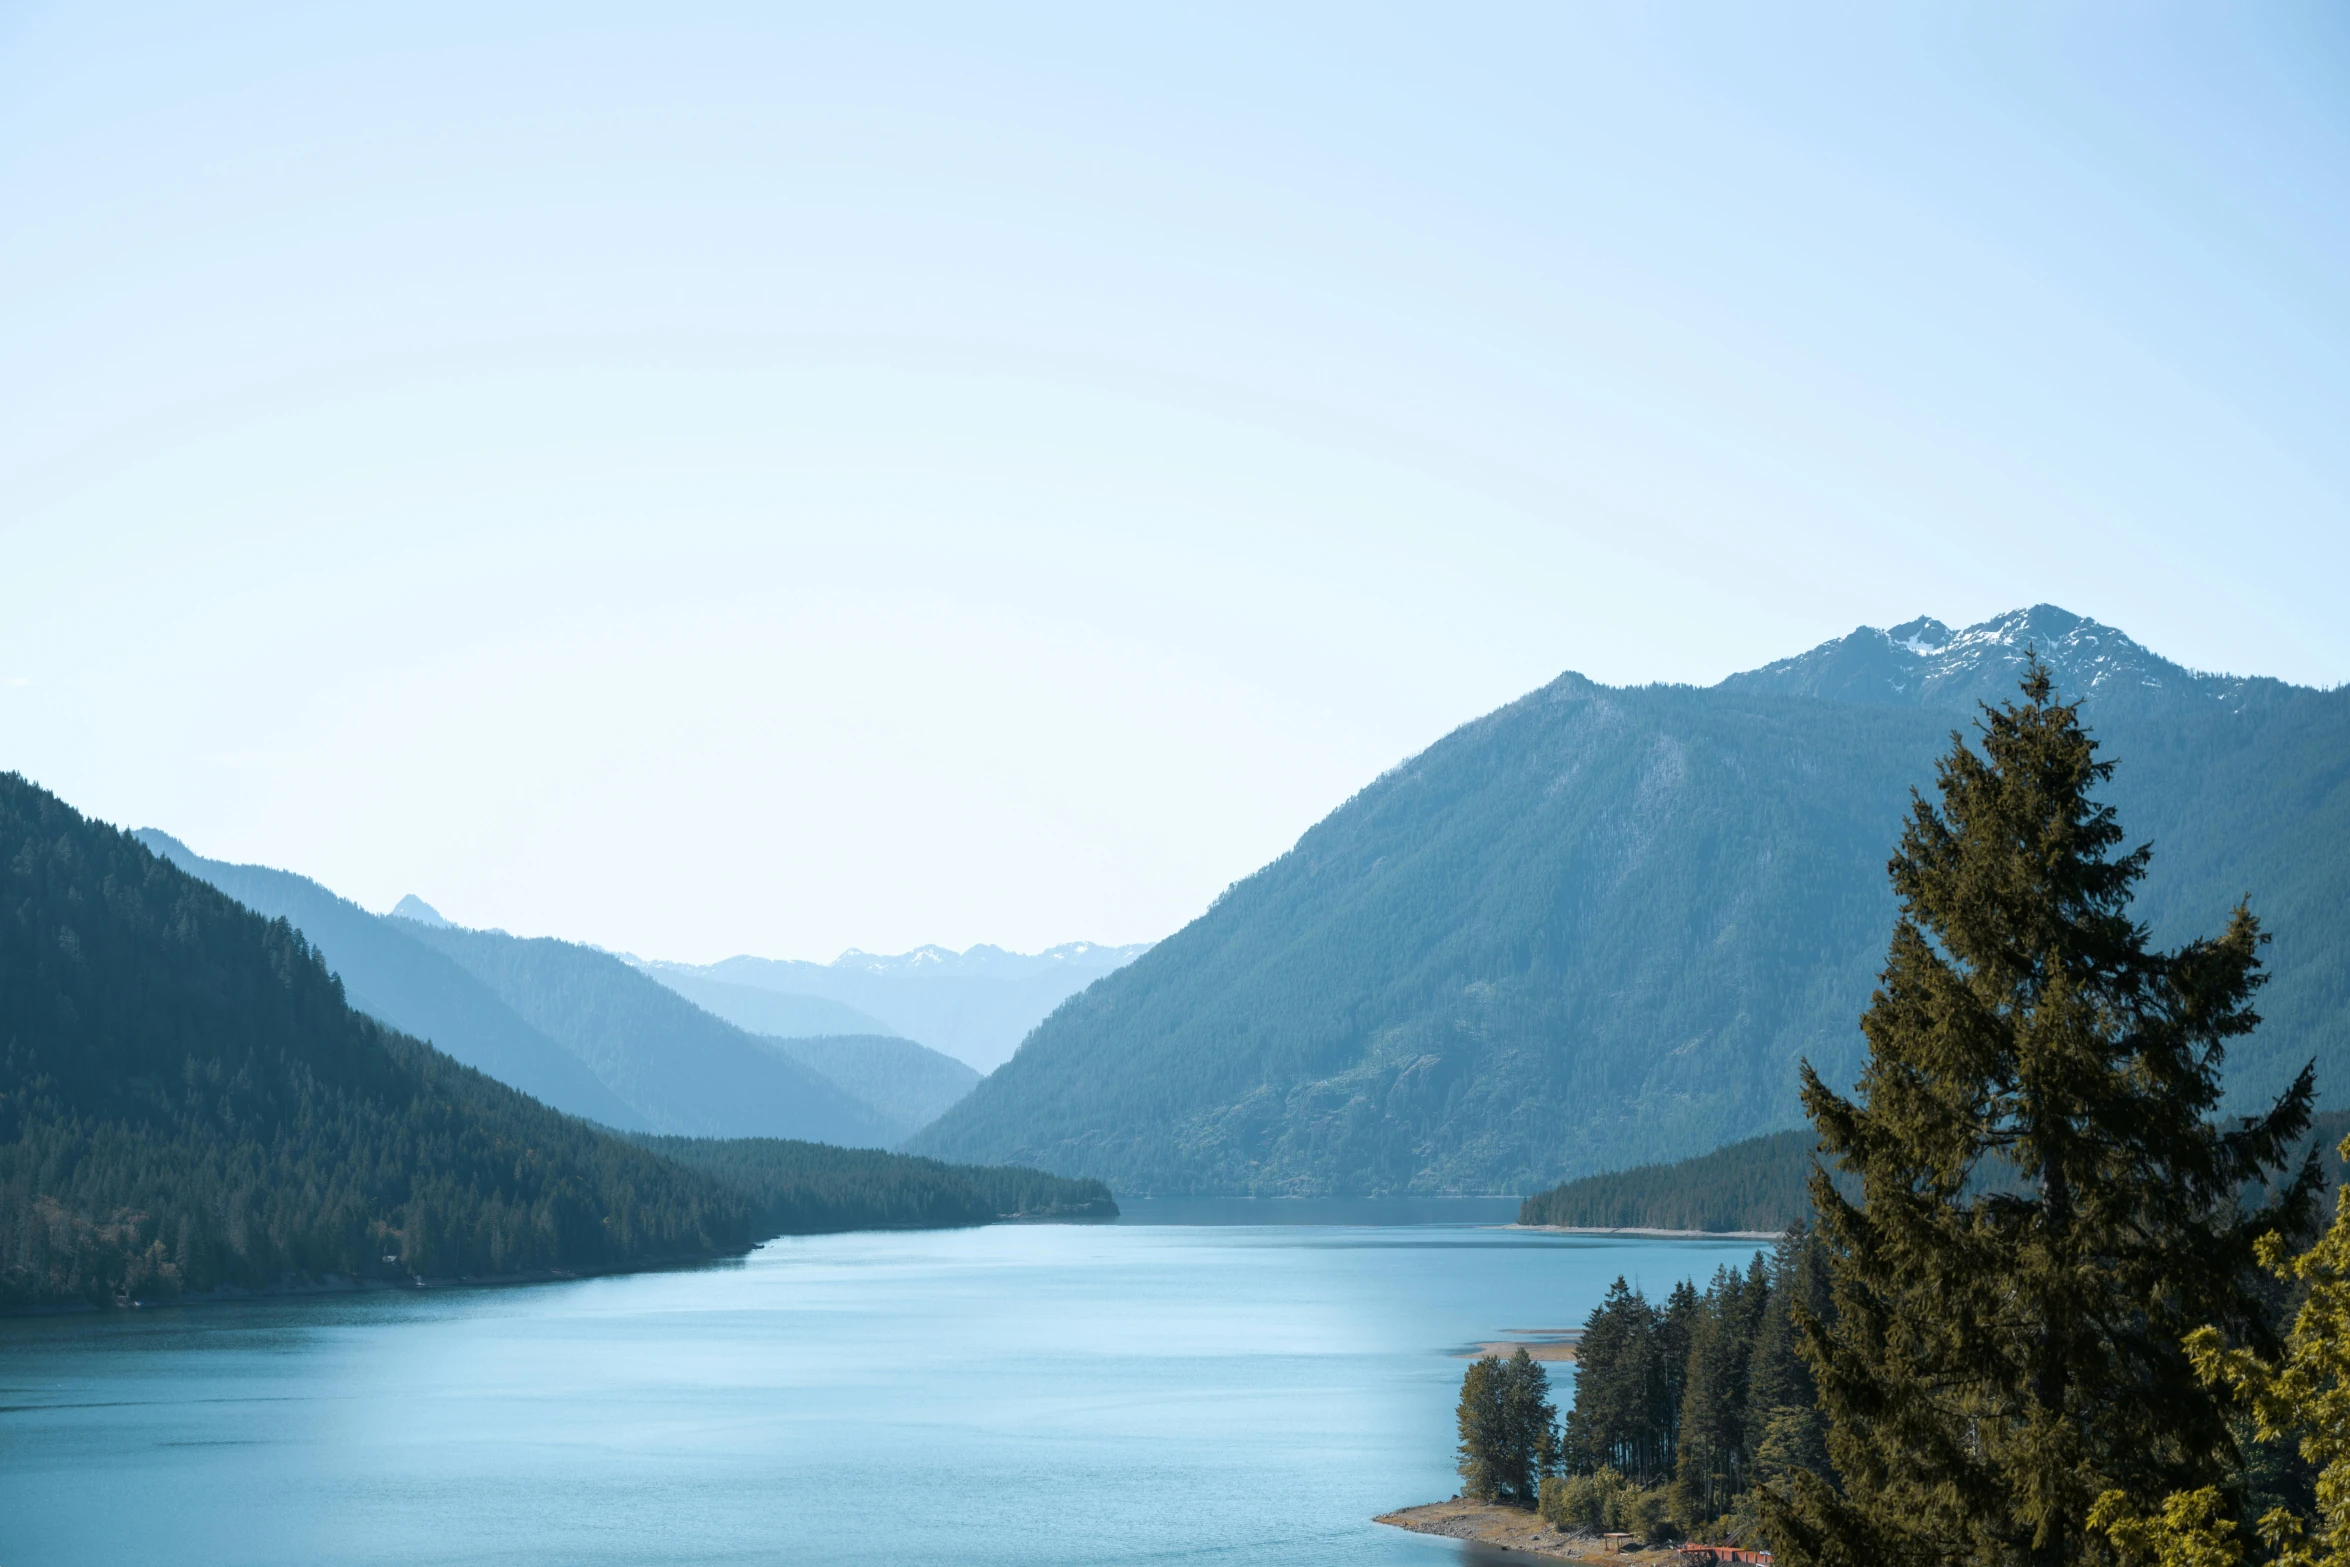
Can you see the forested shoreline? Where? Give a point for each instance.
(1762, 1186)
(799, 1188)
(1758, 1184)
(1681, 1407)
(189, 1107)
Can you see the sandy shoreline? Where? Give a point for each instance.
(1544, 1346)
(1510, 1529)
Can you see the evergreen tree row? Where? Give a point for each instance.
(808, 1188)
(1680, 1407)
(1761, 1183)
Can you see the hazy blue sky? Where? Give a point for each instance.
(705, 478)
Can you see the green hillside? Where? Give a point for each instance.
(187, 1103)
(1599, 927)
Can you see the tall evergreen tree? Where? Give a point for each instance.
(2046, 1208)
(1615, 1421)
(1783, 1431)
(1508, 1429)
(1713, 1463)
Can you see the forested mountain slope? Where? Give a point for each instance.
(685, 1072)
(187, 1102)
(1600, 926)
(398, 980)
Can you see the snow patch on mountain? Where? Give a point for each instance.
(1924, 663)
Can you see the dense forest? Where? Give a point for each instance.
(1601, 926)
(1695, 1398)
(189, 1104)
(1756, 1184)
(1681, 1407)
(808, 1188)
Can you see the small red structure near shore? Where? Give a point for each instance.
(1725, 1553)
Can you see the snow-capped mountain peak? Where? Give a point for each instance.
(1924, 663)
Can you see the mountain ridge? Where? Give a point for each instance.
(684, 1070)
(1599, 926)
(406, 985)
(1923, 662)
(416, 977)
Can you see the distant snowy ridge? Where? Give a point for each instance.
(990, 961)
(1923, 663)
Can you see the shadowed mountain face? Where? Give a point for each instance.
(396, 979)
(907, 1085)
(575, 1028)
(683, 1070)
(1601, 926)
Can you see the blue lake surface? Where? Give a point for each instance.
(1202, 1383)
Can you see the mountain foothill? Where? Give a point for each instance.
(1601, 927)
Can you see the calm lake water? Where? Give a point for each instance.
(1202, 1383)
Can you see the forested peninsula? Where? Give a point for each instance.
(1761, 1186)
(189, 1106)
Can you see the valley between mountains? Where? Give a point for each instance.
(1596, 929)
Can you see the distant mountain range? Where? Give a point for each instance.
(1600, 926)
(681, 1069)
(1926, 664)
(396, 979)
(586, 1033)
(774, 1013)
(975, 1005)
